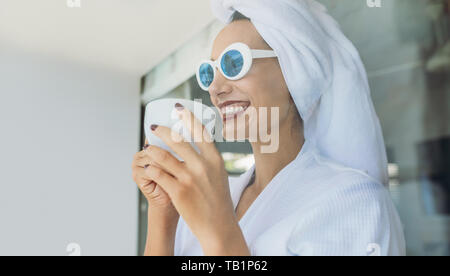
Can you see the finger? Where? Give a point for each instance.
(139, 159)
(176, 142)
(146, 186)
(141, 178)
(199, 132)
(143, 161)
(146, 144)
(163, 179)
(136, 157)
(149, 188)
(165, 160)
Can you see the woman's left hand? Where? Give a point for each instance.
(198, 186)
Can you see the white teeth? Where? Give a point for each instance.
(230, 110)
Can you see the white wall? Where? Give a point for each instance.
(68, 135)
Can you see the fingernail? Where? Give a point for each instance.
(154, 127)
(179, 106)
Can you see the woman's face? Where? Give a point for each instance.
(263, 87)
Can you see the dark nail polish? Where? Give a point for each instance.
(146, 166)
(154, 127)
(179, 106)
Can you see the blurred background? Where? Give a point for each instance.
(76, 74)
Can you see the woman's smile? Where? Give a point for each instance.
(233, 109)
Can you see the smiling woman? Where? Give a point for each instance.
(321, 191)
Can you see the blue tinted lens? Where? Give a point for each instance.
(206, 74)
(232, 63)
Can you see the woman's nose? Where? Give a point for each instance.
(219, 85)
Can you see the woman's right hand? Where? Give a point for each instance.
(157, 198)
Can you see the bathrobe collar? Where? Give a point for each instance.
(238, 185)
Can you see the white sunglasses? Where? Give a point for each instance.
(234, 63)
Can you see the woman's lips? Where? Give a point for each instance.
(233, 110)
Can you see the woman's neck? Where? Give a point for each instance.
(267, 165)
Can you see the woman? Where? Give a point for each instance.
(321, 191)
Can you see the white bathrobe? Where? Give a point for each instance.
(313, 206)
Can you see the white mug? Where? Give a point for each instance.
(162, 112)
